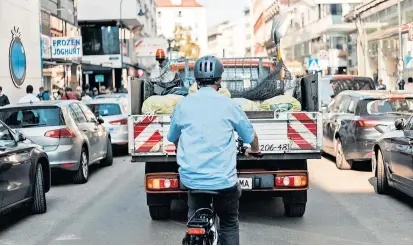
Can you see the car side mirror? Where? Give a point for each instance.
(20, 136)
(100, 120)
(399, 124)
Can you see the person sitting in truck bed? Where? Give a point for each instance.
(204, 124)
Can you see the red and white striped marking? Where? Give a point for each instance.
(148, 137)
(302, 130)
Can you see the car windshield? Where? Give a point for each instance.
(6, 137)
(386, 106)
(105, 109)
(31, 117)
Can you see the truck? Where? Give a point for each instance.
(287, 139)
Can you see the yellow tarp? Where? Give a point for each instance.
(281, 103)
(222, 90)
(246, 105)
(161, 104)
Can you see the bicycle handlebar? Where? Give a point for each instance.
(242, 150)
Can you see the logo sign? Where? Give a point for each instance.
(313, 64)
(411, 31)
(17, 59)
(64, 47)
(46, 47)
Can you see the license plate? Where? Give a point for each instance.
(246, 183)
(275, 147)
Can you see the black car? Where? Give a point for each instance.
(349, 122)
(332, 85)
(24, 172)
(392, 159)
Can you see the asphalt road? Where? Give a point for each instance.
(111, 209)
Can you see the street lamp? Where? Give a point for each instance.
(400, 63)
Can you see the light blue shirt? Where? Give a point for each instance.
(204, 123)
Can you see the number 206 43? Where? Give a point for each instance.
(275, 147)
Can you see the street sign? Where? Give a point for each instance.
(313, 64)
(99, 78)
(323, 55)
(409, 61)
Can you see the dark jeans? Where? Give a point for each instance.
(226, 205)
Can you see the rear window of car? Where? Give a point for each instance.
(32, 117)
(105, 109)
(385, 106)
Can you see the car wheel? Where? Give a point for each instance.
(294, 209)
(341, 161)
(108, 161)
(160, 212)
(82, 174)
(39, 197)
(382, 184)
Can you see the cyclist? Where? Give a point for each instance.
(202, 127)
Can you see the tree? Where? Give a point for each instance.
(184, 44)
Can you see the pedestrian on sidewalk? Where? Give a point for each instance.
(4, 100)
(79, 93)
(69, 95)
(381, 86)
(29, 97)
(95, 92)
(409, 86)
(43, 95)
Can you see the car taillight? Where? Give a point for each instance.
(60, 133)
(291, 181)
(119, 122)
(162, 183)
(367, 123)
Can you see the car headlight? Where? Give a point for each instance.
(15, 158)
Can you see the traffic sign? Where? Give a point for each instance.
(409, 61)
(313, 64)
(323, 55)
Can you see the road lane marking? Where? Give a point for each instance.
(68, 237)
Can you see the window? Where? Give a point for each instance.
(32, 117)
(100, 40)
(159, 14)
(6, 138)
(79, 116)
(90, 117)
(302, 20)
(343, 105)
(351, 107)
(179, 13)
(335, 9)
(105, 109)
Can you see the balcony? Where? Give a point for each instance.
(329, 24)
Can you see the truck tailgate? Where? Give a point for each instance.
(299, 132)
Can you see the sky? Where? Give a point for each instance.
(217, 10)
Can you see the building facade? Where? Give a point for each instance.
(231, 38)
(183, 23)
(378, 40)
(109, 31)
(19, 47)
(316, 31)
(58, 19)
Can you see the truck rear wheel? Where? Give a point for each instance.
(294, 209)
(160, 212)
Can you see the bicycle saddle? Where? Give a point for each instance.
(207, 192)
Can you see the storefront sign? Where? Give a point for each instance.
(64, 47)
(46, 47)
(17, 58)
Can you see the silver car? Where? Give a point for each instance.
(115, 113)
(69, 132)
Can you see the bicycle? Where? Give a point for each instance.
(202, 227)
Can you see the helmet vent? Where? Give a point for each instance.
(206, 66)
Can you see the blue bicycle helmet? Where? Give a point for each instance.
(208, 69)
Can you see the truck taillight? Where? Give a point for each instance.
(60, 133)
(291, 181)
(196, 231)
(367, 123)
(119, 122)
(162, 183)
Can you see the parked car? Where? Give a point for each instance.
(69, 132)
(332, 85)
(115, 113)
(112, 95)
(24, 172)
(349, 122)
(392, 159)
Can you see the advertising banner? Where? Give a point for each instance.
(65, 47)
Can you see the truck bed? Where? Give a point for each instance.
(285, 135)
